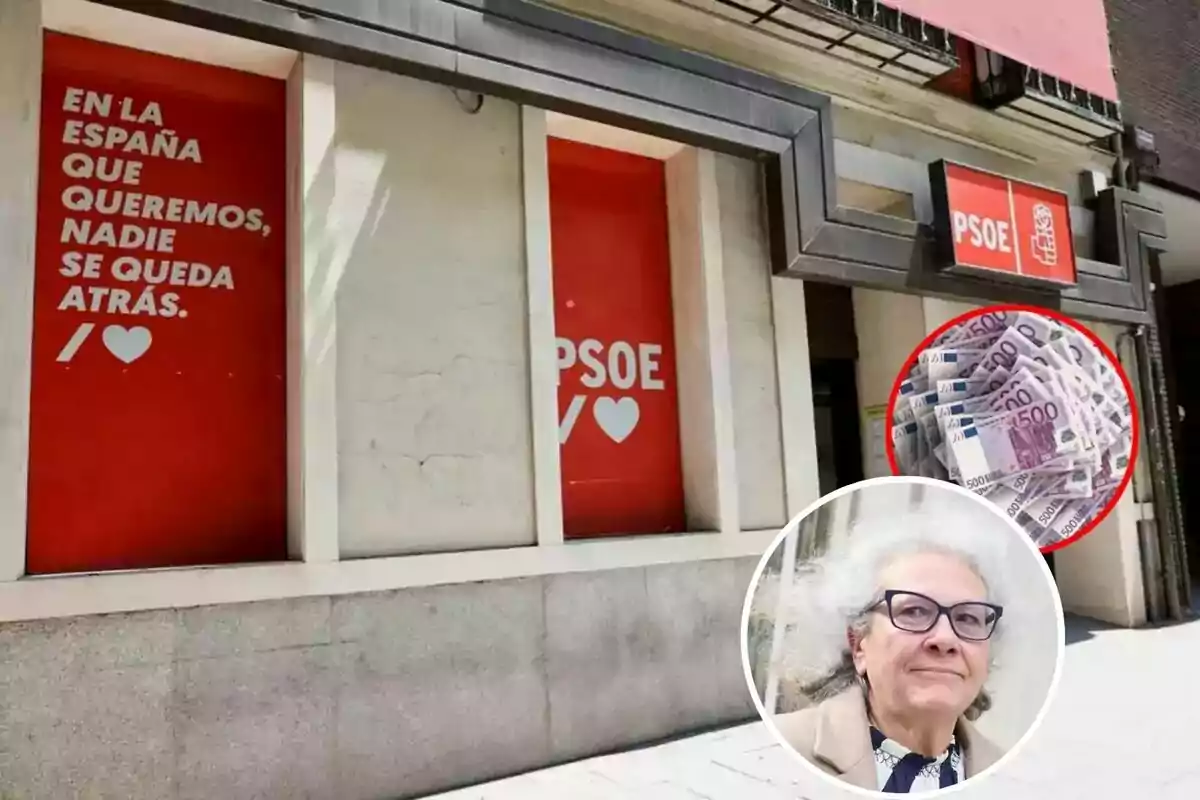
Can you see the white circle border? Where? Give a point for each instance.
(794, 524)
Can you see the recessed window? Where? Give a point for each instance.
(877, 199)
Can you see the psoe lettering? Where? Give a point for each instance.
(985, 232)
(619, 364)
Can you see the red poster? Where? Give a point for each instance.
(617, 396)
(158, 433)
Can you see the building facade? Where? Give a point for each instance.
(349, 510)
(1154, 48)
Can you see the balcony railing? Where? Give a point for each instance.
(876, 35)
(1039, 99)
(863, 31)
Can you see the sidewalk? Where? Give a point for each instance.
(1121, 727)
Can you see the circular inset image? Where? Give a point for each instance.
(1023, 406)
(902, 635)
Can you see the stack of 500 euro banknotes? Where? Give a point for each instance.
(1023, 410)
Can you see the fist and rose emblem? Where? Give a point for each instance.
(1045, 249)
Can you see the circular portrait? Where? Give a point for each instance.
(902, 636)
(1027, 408)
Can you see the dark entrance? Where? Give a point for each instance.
(833, 354)
(835, 414)
(1167, 357)
(1181, 347)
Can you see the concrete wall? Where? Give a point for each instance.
(888, 326)
(938, 311)
(20, 104)
(372, 696)
(757, 428)
(701, 344)
(434, 432)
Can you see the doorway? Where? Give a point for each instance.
(835, 414)
(1180, 331)
(833, 358)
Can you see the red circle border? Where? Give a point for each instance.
(902, 375)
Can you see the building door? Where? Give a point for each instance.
(833, 354)
(1181, 345)
(835, 413)
(1166, 357)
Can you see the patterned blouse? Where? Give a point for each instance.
(900, 771)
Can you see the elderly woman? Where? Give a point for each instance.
(919, 616)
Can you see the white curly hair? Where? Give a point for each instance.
(829, 594)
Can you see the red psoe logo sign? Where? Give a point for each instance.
(618, 407)
(992, 225)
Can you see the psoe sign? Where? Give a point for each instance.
(990, 225)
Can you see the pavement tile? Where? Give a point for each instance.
(1120, 726)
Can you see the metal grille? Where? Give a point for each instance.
(1168, 511)
(863, 31)
(876, 35)
(897, 23)
(1071, 95)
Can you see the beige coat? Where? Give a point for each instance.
(836, 737)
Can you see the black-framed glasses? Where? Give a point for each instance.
(917, 613)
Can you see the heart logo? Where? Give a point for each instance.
(127, 344)
(617, 418)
